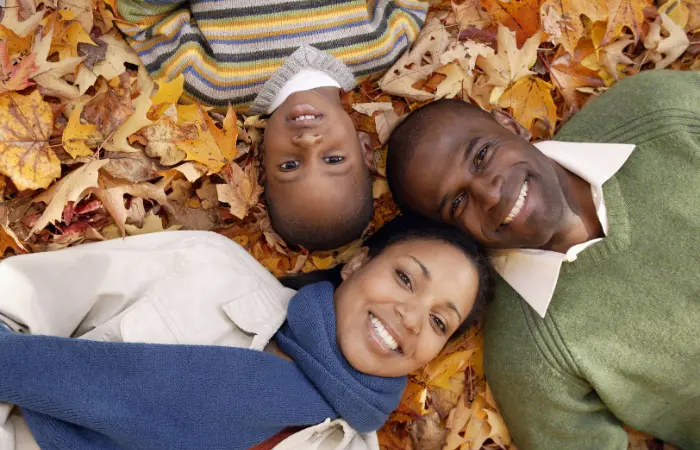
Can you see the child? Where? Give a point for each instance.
(289, 60)
(351, 340)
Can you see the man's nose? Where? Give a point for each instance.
(307, 139)
(412, 315)
(487, 191)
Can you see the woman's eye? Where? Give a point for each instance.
(405, 279)
(439, 323)
(289, 166)
(481, 156)
(334, 159)
(456, 203)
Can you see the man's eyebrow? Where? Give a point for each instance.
(425, 270)
(454, 308)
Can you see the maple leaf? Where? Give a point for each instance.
(169, 91)
(77, 135)
(520, 16)
(530, 98)
(71, 188)
(49, 74)
(117, 53)
(625, 13)
(561, 20)
(108, 109)
(227, 136)
(82, 10)
(510, 64)
(15, 77)
(569, 76)
(25, 126)
(10, 19)
(471, 14)
(665, 50)
(241, 190)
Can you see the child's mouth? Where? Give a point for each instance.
(304, 116)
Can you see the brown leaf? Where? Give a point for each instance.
(49, 74)
(569, 76)
(561, 20)
(520, 16)
(163, 137)
(134, 167)
(625, 13)
(471, 14)
(241, 190)
(108, 109)
(10, 18)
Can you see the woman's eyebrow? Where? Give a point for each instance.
(453, 307)
(425, 270)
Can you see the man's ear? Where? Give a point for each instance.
(358, 260)
(366, 149)
(506, 121)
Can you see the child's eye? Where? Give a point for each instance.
(456, 203)
(404, 278)
(334, 159)
(288, 166)
(439, 323)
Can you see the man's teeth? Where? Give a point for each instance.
(518, 205)
(383, 333)
(305, 117)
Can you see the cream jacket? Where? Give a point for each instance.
(181, 287)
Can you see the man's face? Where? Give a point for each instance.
(484, 179)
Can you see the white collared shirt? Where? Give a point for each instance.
(534, 273)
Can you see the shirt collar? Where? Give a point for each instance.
(534, 273)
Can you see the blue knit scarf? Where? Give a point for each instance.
(78, 394)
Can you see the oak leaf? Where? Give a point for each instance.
(138, 120)
(561, 20)
(664, 50)
(241, 190)
(520, 16)
(117, 54)
(530, 98)
(71, 188)
(50, 74)
(369, 109)
(163, 136)
(625, 13)
(77, 135)
(10, 18)
(26, 122)
(108, 109)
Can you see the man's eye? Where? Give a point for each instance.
(334, 159)
(481, 156)
(288, 166)
(456, 203)
(439, 323)
(404, 279)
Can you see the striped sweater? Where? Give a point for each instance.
(228, 49)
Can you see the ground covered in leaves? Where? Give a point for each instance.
(92, 148)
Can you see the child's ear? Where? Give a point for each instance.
(366, 149)
(358, 260)
(506, 121)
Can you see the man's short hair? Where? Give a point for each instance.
(328, 233)
(408, 135)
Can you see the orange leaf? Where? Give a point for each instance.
(530, 98)
(625, 13)
(561, 19)
(521, 16)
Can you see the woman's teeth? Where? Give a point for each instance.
(383, 333)
(518, 205)
(305, 117)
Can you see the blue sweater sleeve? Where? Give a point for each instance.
(153, 396)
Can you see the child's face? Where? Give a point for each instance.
(396, 311)
(314, 160)
(475, 174)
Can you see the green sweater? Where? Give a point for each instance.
(620, 343)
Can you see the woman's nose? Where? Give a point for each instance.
(412, 315)
(306, 140)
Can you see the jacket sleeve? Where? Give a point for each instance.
(51, 293)
(544, 404)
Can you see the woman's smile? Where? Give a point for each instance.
(383, 339)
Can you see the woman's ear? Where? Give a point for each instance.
(366, 149)
(358, 260)
(509, 123)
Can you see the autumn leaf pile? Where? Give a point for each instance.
(92, 148)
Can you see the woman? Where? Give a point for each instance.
(351, 340)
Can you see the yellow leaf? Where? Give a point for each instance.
(50, 74)
(75, 34)
(71, 188)
(322, 262)
(203, 147)
(163, 137)
(76, 135)
(151, 224)
(118, 52)
(241, 191)
(561, 20)
(82, 10)
(439, 371)
(10, 19)
(16, 45)
(625, 13)
(26, 122)
(529, 99)
(510, 64)
(187, 113)
(225, 138)
(169, 91)
(138, 120)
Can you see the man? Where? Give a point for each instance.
(596, 321)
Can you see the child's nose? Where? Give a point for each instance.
(307, 140)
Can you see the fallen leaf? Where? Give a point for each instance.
(561, 20)
(169, 91)
(465, 54)
(226, 137)
(568, 77)
(76, 135)
(457, 81)
(135, 122)
(26, 122)
(385, 122)
(50, 74)
(624, 13)
(530, 98)
(163, 136)
(117, 54)
(76, 35)
(108, 110)
(92, 53)
(82, 10)
(10, 19)
(241, 190)
(369, 109)
(15, 77)
(151, 224)
(191, 171)
(471, 14)
(134, 167)
(520, 16)
(665, 50)
(71, 188)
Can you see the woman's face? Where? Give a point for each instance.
(396, 311)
